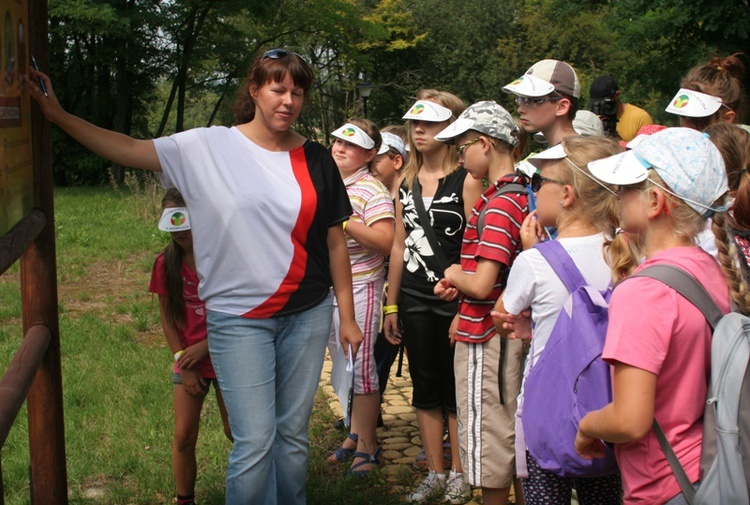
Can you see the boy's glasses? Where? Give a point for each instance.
(533, 102)
(537, 181)
(462, 148)
(277, 53)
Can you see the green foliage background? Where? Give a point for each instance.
(154, 67)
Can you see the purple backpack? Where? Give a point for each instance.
(569, 379)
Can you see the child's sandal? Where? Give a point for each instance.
(342, 452)
(367, 459)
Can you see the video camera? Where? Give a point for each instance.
(606, 109)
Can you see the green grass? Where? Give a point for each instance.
(117, 369)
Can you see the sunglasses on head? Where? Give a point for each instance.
(537, 180)
(533, 102)
(277, 53)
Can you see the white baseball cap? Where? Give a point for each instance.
(354, 134)
(544, 77)
(394, 141)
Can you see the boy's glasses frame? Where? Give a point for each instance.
(534, 102)
(460, 150)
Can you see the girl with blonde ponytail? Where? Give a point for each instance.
(585, 212)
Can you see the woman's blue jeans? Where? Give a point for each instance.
(268, 371)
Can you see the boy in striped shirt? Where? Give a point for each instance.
(488, 367)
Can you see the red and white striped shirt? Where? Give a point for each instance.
(500, 242)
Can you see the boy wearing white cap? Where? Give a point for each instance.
(369, 237)
(391, 157)
(487, 365)
(547, 96)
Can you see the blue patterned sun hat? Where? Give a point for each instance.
(685, 159)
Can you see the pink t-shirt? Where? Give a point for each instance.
(195, 311)
(653, 328)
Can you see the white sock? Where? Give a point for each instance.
(441, 477)
(454, 474)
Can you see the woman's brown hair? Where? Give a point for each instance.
(271, 66)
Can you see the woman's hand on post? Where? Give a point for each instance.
(49, 104)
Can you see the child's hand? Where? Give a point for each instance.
(531, 231)
(589, 447)
(192, 381)
(518, 324)
(350, 335)
(193, 354)
(452, 330)
(445, 291)
(390, 329)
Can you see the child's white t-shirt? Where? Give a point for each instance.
(533, 284)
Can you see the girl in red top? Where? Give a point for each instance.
(183, 318)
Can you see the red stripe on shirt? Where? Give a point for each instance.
(296, 272)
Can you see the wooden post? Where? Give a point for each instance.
(40, 306)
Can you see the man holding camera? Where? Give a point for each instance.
(621, 120)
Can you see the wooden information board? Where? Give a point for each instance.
(16, 167)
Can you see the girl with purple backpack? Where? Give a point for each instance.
(585, 213)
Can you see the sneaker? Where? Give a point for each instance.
(457, 490)
(429, 488)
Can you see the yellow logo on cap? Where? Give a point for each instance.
(349, 132)
(417, 109)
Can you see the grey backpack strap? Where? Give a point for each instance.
(512, 187)
(685, 284)
(679, 472)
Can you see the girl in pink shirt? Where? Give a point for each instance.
(183, 318)
(658, 342)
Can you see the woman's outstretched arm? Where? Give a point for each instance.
(108, 144)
